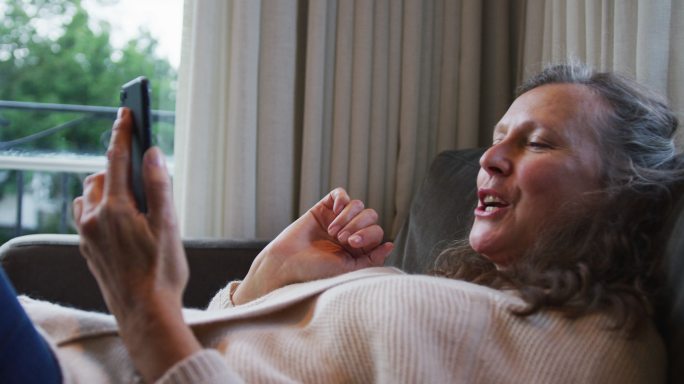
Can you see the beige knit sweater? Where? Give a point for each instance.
(373, 325)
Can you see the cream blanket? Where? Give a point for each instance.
(373, 325)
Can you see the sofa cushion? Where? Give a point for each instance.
(50, 267)
(441, 211)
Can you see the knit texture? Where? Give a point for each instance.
(381, 326)
(207, 367)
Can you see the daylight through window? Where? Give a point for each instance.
(61, 66)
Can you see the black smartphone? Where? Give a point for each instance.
(135, 95)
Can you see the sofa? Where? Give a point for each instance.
(50, 266)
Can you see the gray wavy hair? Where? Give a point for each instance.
(609, 260)
(636, 132)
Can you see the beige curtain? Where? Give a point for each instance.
(641, 38)
(282, 100)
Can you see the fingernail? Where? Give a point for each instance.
(343, 236)
(355, 239)
(332, 231)
(120, 113)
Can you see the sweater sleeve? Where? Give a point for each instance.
(204, 367)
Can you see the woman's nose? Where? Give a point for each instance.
(497, 160)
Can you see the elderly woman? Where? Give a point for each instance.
(555, 282)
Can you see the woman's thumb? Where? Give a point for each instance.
(158, 189)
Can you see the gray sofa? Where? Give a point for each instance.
(50, 267)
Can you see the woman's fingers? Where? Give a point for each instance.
(374, 258)
(77, 209)
(352, 224)
(366, 238)
(338, 225)
(353, 219)
(340, 199)
(93, 186)
(378, 255)
(334, 201)
(158, 189)
(119, 156)
(327, 208)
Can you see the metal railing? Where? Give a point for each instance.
(65, 165)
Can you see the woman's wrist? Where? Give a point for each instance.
(157, 337)
(240, 294)
(259, 280)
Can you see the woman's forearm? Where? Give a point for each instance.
(157, 338)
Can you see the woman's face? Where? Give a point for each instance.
(544, 155)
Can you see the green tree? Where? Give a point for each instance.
(72, 64)
(51, 52)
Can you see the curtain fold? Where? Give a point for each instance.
(282, 100)
(277, 123)
(216, 145)
(642, 39)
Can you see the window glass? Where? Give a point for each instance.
(62, 64)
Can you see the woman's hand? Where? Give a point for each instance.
(138, 260)
(335, 236)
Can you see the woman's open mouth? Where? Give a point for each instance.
(490, 203)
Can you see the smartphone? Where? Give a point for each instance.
(135, 95)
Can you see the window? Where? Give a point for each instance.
(61, 66)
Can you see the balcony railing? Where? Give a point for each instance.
(65, 165)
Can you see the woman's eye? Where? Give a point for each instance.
(538, 145)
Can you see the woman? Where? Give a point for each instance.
(556, 298)
(628, 152)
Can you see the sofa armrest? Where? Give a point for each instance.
(50, 267)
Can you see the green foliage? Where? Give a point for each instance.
(50, 53)
(60, 190)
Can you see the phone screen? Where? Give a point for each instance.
(135, 95)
